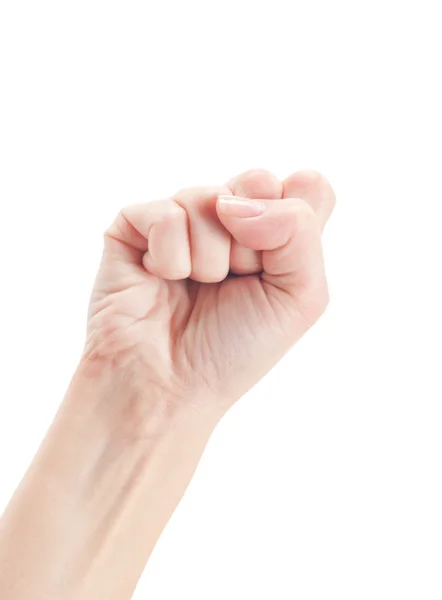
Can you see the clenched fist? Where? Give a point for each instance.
(200, 294)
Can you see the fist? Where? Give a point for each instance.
(200, 294)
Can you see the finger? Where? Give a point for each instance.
(158, 232)
(289, 235)
(314, 188)
(209, 240)
(256, 183)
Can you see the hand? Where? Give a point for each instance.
(201, 294)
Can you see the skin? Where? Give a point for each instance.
(196, 299)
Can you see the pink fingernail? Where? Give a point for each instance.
(241, 208)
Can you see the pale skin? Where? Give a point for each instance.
(196, 299)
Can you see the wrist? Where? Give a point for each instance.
(135, 406)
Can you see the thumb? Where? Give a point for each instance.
(288, 233)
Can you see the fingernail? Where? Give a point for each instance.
(241, 208)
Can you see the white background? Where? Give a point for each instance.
(326, 481)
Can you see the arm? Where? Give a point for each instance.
(173, 341)
(107, 478)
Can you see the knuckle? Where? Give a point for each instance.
(257, 183)
(196, 195)
(257, 173)
(322, 188)
(312, 184)
(301, 215)
(312, 176)
(163, 212)
(174, 212)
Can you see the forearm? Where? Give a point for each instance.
(102, 487)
